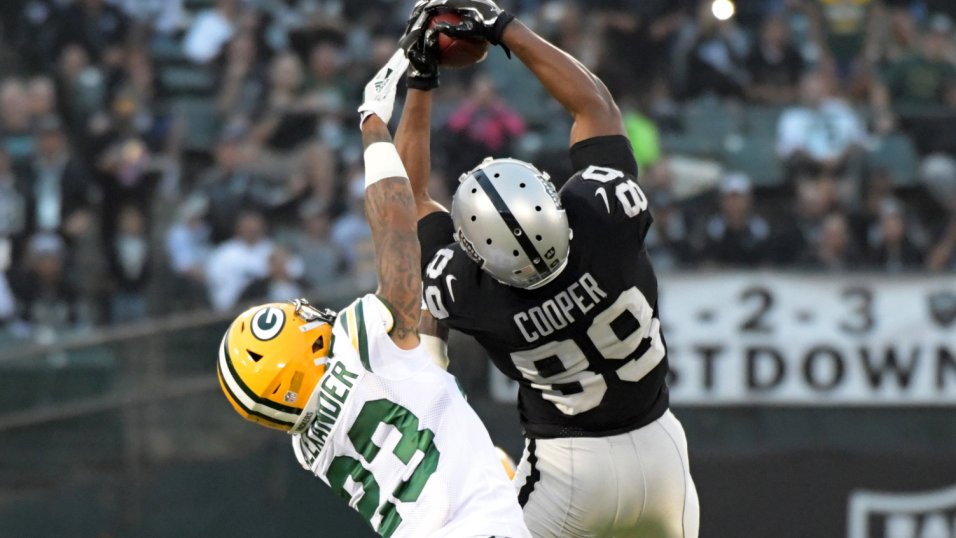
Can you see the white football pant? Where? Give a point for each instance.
(636, 484)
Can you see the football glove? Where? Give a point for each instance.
(379, 96)
(481, 19)
(423, 57)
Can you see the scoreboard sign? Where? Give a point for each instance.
(820, 340)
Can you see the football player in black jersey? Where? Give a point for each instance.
(558, 288)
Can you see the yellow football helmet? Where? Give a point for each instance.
(271, 358)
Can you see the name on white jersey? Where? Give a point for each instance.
(558, 312)
(335, 389)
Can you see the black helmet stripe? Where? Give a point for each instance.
(512, 223)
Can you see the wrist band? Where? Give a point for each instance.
(381, 162)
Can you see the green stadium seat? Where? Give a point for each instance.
(897, 154)
(188, 80)
(201, 123)
(756, 156)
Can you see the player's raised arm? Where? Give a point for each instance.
(390, 207)
(581, 92)
(413, 138)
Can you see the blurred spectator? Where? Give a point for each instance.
(878, 191)
(350, 231)
(798, 233)
(322, 259)
(922, 78)
(238, 262)
(843, 27)
(36, 33)
(8, 305)
(714, 57)
(819, 137)
(81, 86)
(164, 16)
(129, 264)
(668, 240)
(775, 64)
(59, 195)
(892, 245)
(242, 79)
(736, 236)
(835, 249)
(188, 247)
(483, 125)
(211, 30)
(17, 137)
(943, 255)
(41, 97)
(127, 174)
(282, 284)
(97, 26)
(13, 209)
(46, 300)
(232, 185)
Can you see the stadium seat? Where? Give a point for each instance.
(897, 154)
(187, 80)
(756, 156)
(201, 123)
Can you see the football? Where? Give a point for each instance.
(455, 52)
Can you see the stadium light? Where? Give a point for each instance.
(723, 9)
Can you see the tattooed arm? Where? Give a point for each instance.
(391, 213)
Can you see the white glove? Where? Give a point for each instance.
(380, 91)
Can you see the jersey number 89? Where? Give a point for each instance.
(559, 369)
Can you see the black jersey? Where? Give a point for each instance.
(586, 348)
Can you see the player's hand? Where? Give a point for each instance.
(379, 96)
(415, 27)
(481, 19)
(423, 57)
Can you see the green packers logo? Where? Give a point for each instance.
(267, 323)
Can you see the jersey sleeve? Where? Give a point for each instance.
(612, 151)
(445, 280)
(435, 232)
(606, 203)
(366, 325)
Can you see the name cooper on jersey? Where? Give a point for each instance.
(557, 313)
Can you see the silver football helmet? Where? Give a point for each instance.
(509, 219)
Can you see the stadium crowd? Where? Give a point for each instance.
(164, 155)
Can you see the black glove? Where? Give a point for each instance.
(415, 27)
(481, 19)
(423, 59)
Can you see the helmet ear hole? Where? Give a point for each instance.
(319, 344)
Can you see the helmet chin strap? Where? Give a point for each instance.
(309, 412)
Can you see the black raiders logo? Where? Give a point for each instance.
(942, 306)
(902, 515)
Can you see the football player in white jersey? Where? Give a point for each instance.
(558, 288)
(369, 412)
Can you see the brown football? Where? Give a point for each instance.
(455, 52)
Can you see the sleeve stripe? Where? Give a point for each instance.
(362, 336)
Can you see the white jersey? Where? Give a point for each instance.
(394, 436)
